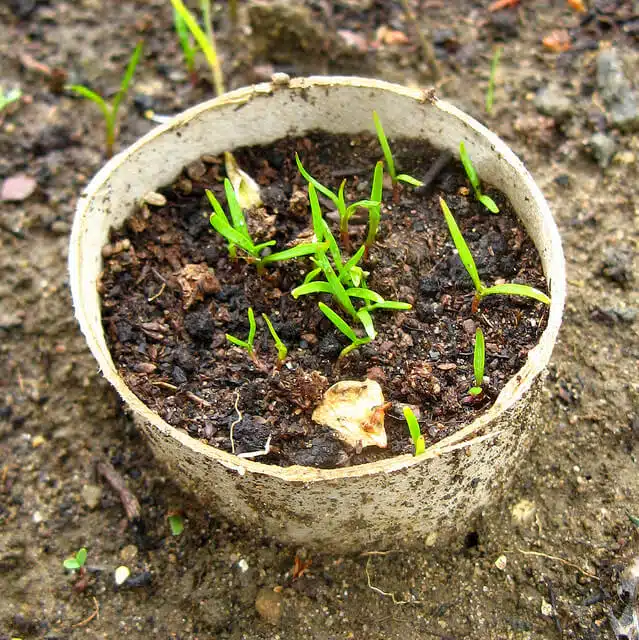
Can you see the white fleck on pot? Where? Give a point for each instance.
(386, 503)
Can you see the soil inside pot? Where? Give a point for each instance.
(170, 294)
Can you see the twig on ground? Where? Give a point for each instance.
(201, 401)
(435, 169)
(95, 614)
(566, 562)
(118, 484)
(236, 421)
(384, 593)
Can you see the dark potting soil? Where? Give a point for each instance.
(170, 294)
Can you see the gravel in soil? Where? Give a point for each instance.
(170, 294)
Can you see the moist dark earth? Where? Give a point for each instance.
(552, 559)
(172, 343)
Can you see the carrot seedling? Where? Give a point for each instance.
(388, 156)
(466, 257)
(487, 201)
(415, 432)
(110, 111)
(345, 212)
(490, 92)
(248, 343)
(374, 213)
(344, 328)
(186, 44)
(282, 351)
(479, 359)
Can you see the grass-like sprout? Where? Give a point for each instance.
(487, 201)
(237, 234)
(9, 97)
(479, 359)
(415, 431)
(466, 257)
(247, 190)
(490, 92)
(110, 111)
(388, 156)
(344, 328)
(374, 213)
(345, 212)
(77, 561)
(248, 343)
(282, 351)
(186, 43)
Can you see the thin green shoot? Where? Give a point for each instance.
(176, 524)
(490, 92)
(236, 234)
(389, 305)
(345, 211)
(9, 97)
(479, 359)
(415, 431)
(374, 213)
(110, 111)
(466, 257)
(205, 41)
(186, 44)
(282, 351)
(487, 201)
(388, 156)
(633, 519)
(306, 249)
(76, 562)
(364, 316)
(248, 343)
(345, 329)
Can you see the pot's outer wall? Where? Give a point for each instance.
(338, 509)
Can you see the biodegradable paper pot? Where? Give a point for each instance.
(384, 503)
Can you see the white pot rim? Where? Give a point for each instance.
(472, 433)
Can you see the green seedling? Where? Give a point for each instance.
(345, 212)
(176, 523)
(633, 519)
(186, 43)
(388, 156)
(487, 201)
(466, 257)
(374, 213)
(248, 343)
(479, 359)
(76, 562)
(247, 190)
(282, 351)
(415, 431)
(490, 92)
(344, 328)
(110, 111)
(9, 97)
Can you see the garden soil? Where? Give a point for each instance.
(554, 559)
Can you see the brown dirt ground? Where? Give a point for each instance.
(568, 500)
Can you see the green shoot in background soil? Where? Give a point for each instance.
(415, 431)
(469, 263)
(248, 343)
(10, 96)
(487, 201)
(490, 92)
(479, 359)
(76, 562)
(186, 43)
(110, 111)
(247, 190)
(282, 351)
(375, 212)
(176, 524)
(388, 156)
(344, 328)
(345, 212)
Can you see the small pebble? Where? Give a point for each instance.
(501, 562)
(121, 575)
(154, 199)
(269, 605)
(91, 494)
(61, 227)
(128, 553)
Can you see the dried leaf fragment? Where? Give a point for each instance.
(558, 41)
(196, 281)
(355, 411)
